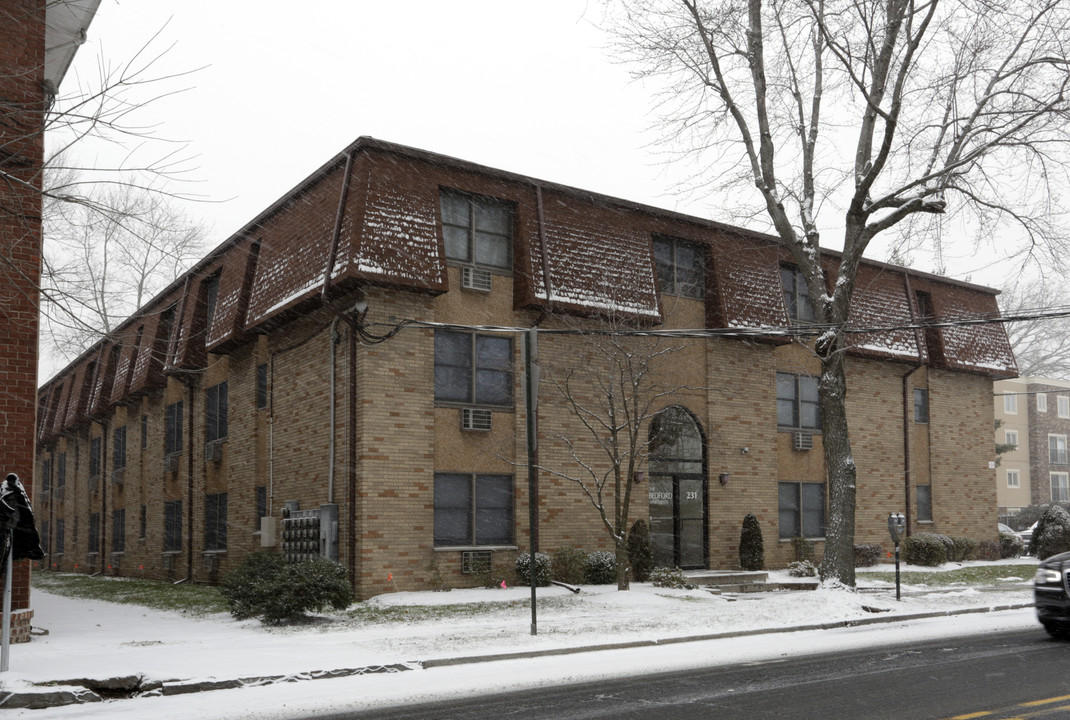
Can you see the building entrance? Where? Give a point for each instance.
(678, 491)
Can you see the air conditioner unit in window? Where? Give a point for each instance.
(211, 563)
(168, 561)
(474, 562)
(213, 452)
(476, 279)
(802, 440)
(170, 463)
(475, 419)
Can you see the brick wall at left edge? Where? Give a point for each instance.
(22, 52)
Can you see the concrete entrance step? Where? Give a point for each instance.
(738, 581)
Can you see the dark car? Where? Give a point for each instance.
(1052, 594)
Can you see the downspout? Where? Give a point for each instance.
(103, 492)
(333, 341)
(542, 245)
(189, 483)
(908, 404)
(533, 450)
(351, 461)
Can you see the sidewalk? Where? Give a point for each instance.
(96, 651)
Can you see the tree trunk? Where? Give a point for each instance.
(623, 569)
(837, 564)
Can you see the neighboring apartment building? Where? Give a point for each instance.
(342, 376)
(38, 40)
(1033, 414)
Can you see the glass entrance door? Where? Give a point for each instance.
(678, 498)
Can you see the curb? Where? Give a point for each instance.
(73, 692)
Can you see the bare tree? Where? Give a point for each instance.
(104, 258)
(882, 111)
(612, 381)
(1041, 344)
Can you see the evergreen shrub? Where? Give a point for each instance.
(989, 550)
(868, 555)
(803, 548)
(1052, 533)
(640, 554)
(567, 565)
(542, 569)
(1010, 546)
(601, 568)
(267, 587)
(963, 548)
(926, 549)
(751, 547)
(670, 578)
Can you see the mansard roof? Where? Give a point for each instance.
(370, 216)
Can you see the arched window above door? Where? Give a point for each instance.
(676, 444)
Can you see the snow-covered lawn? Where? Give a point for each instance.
(94, 639)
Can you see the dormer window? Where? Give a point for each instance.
(477, 230)
(796, 295)
(681, 267)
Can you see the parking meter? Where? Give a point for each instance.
(897, 528)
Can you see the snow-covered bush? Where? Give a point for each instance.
(802, 548)
(1010, 546)
(567, 565)
(802, 568)
(267, 587)
(670, 578)
(925, 549)
(601, 568)
(751, 546)
(640, 554)
(868, 555)
(1052, 533)
(542, 569)
(989, 550)
(963, 548)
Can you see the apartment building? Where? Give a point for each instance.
(344, 376)
(1033, 416)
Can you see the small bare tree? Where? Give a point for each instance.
(1041, 344)
(884, 111)
(612, 380)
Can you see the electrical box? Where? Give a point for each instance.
(308, 533)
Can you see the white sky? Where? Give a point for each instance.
(98, 640)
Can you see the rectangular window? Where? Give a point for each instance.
(1064, 406)
(210, 288)
(477, 231)
(1010, 404)
(215, 521)
(924, 494)
(94, 457)
(1060, 487)
(261, 386)
(921, 405)
(1014, 479)
(801, 509)
(681, 267)
(45, 537)
(61, 526)
(1057, 449)
(61, 470)
(215, 412)
(261, 504)
(94, 532)
(118, 445)
(797, 404)
(172, 441)
(46, 476)
(475, 369)
(1010, 437)
(1042, 402)
(796, 295)
(172, 525)
(473, 509)
(118, 530)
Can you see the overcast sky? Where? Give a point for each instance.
(277, 89)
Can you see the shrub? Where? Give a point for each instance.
(802, 568)
(670, 578)
(963, 548)
(1052, 533)
(924, 549)
(268, 587)
(640, 554)
(751, 547)
(868, 555)
(601, 568)
(1010, 546)
(803, 548)
(989, 550)
(542, 569)
(567, 565)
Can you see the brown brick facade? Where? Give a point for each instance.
(336, 315)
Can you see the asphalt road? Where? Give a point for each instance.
(993, 676)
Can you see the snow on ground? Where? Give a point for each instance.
(93, 639)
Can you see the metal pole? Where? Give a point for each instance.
(5, 639)
(532, 387)
(897, 571)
